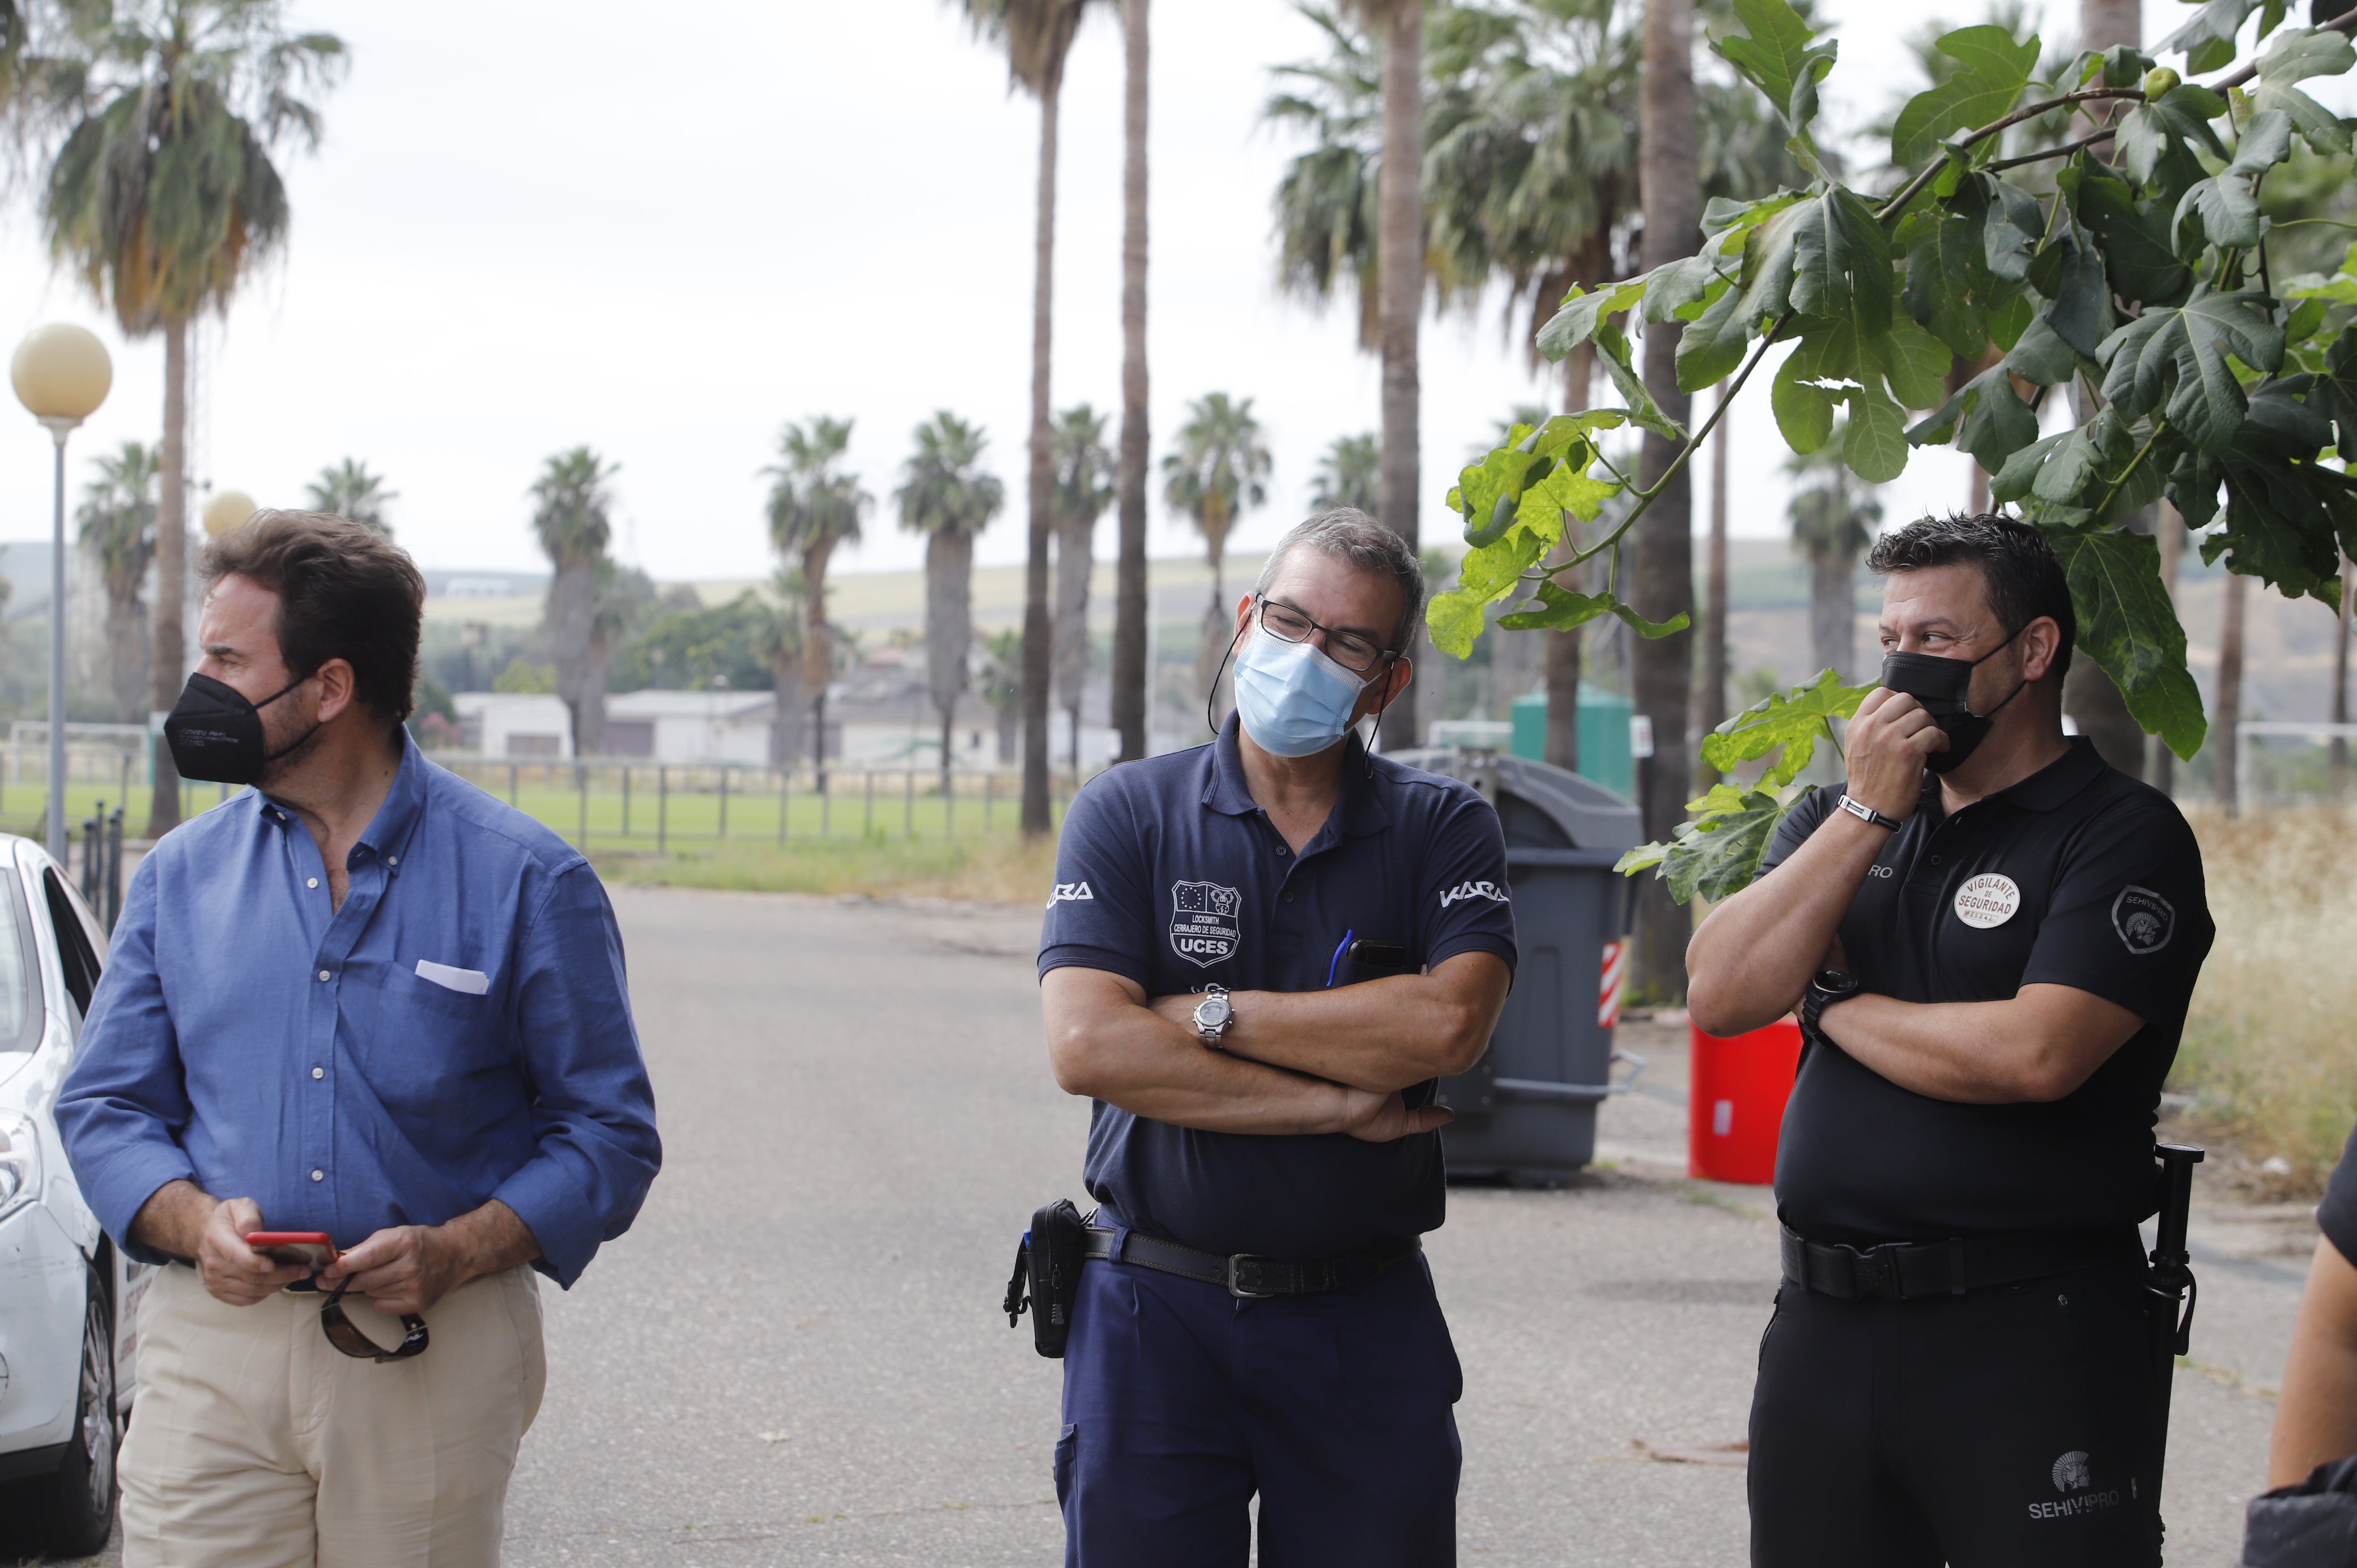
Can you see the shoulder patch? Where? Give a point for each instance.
(1070, 893)
(2144, 920)
(1489, 890)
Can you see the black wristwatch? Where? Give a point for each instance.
(1826, 987)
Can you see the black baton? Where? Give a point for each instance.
(2171, 1283)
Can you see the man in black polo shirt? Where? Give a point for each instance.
(1992, 937)
(1257, 956)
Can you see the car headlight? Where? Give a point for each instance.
(20, 1160)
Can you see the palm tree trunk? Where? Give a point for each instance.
(2160, 762)
(1562, 747)
(2226, 745)
(2340, 766)
(1663, 669)
(171, 570)
(1710, 693)
(1075, 561)
(1129, 636)
(1038, 635)
(949, 624)
(818, 652)
(1833, 613)
(1399, 273)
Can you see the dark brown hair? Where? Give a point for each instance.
(344, 592)
(2024, 578)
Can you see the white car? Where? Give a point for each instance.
(66, 1294)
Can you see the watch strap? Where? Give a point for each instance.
(1866, 814)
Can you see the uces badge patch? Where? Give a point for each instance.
(2144, 920)
(1206, 923)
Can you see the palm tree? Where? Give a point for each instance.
(944, 497)
(1349, 475)
(352, 493)
(1834, 518)
(1129, 627)
(1662, 669)
(1084, 488)
(1037, 36)
(117, 523)
(815, 506)
(573, 519)
(1220, 468)
(162, 198)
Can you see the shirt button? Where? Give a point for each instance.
(1935, 860)
(1282, 851)
(318, 1072)
(313, 881)
(1288, 898)
(392, 860)
(318, 1175)
(323, 975)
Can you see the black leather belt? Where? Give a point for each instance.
(1245, 1275)
(1906, 1270)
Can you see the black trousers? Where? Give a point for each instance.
(2018, 1425)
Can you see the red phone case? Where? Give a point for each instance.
(288, 1239)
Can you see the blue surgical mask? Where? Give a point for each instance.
(1293, 701)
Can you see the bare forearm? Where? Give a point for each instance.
(1150, 1067)
(488, 1239)
(2316, 1419)
(1381, 1034)
(172, 1219)
(1747, 964)
(2039, 1044)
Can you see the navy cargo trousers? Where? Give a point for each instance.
(1182, 1402)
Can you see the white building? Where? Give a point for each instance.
(514, 723)
(690, 726)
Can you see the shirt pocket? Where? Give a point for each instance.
(432, 1043)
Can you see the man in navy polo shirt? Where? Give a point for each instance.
(1259, 955)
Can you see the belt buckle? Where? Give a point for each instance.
(1237, 1262)
(1876, 1272)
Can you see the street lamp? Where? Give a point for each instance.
(227, 510)
(60, 372)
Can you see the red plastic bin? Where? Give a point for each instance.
(1736, 1090)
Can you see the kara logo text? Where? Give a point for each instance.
(1489, 890)
(1070, 893)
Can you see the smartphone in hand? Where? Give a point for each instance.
(298, 1249)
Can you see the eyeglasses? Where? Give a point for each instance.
(1348, 649)
(346, 1337)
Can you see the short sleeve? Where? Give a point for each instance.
(1793, 832)
(2337, 1215)
(2128, 919)
(1467, 906)
(1099, 912)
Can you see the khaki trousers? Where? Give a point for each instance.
(255, 1444)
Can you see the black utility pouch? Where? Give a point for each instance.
(1046, 1278)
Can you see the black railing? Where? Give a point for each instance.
(102, 863)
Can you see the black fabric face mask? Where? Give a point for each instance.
(215, 733)
(1941, 686)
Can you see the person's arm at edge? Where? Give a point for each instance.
(1380, 1034)
(1106, 1043)
(2316, 1417)
(2039, 1045)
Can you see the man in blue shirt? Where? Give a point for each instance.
(363, 999)
(1258, 956)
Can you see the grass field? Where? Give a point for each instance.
(2270, 1046)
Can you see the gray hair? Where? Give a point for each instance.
(1350, 535)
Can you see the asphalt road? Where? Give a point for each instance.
(794, 1356)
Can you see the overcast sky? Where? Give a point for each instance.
(534, 225)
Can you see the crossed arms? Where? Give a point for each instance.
(1752, 957)
(1311, 1061)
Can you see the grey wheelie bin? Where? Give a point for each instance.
(1526, 1112)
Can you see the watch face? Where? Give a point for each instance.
(1214, 1012)
(1836, 982)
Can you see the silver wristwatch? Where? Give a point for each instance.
(1213, 1014)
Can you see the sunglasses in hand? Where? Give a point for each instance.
(313, 1250)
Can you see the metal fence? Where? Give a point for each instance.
(620, 803)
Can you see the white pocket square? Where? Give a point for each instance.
(473, 982)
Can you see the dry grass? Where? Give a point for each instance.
(999, 869)
(2271, 1043)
